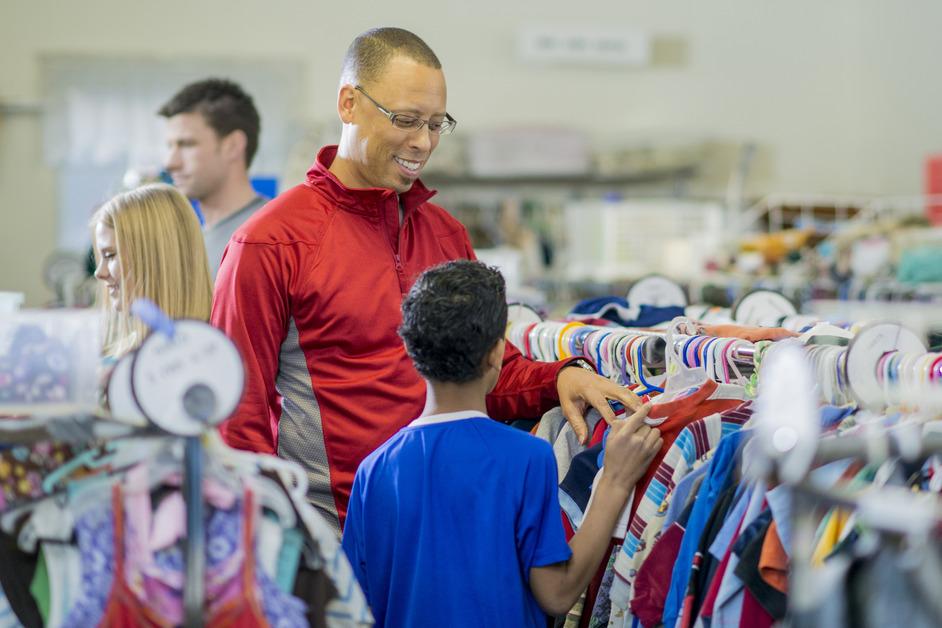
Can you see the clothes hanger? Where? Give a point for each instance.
(291, 474)
(648, 387)
(167, 466)
(679, 376)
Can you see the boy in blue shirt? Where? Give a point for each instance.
(455, 520)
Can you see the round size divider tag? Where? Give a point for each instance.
(121, 401)
(656, 291)
(864, 353)
(520, 313)
(189, 382)
(762, 307)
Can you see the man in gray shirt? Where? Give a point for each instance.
(212, 136)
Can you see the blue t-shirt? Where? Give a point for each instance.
(446, 519)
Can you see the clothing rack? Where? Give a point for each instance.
(631, 356)
(194, 550)
(165, 400)
(891, 510)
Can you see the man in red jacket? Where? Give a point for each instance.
(310, 287)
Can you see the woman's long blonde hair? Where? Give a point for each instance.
(162, 257)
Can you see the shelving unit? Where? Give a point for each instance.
(677, 177)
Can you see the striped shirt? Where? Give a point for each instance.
(692, 448)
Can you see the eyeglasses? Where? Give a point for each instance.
(408, 122)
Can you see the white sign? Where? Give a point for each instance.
(584, 46)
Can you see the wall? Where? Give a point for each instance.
(838, 95)
(897, 100)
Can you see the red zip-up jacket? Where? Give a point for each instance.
(310, 290)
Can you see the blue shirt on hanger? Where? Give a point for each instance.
(717, 480)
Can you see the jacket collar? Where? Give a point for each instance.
(371, 201)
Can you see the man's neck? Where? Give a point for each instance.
(341, 168)
(226, 201)
(445, 397)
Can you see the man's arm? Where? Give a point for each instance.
(525, 389)
(250, 305)
(630, 448)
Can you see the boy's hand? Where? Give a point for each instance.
(630, 447)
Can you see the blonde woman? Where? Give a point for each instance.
(148, 244)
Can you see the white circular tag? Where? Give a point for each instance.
(864, 353)
(190, 382)
(762, 307)
(656, 291)
(786, 411)
(522, 314)
(121, 401)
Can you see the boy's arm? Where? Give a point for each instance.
(631, 446)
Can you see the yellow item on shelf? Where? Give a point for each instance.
(775, 246)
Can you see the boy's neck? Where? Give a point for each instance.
(445, 397)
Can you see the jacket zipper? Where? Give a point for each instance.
(400, 271)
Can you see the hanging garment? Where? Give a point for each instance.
(238, 597)
(670, 415)
(722, 549)
(23, 467)
(727, 609)
(567, 445)
(772, 601)
(700, 563)
(652, 582)
(692, 448)
(617, 310)
(8, 618)
(64, 578)
(705, 564)
(17, 569)
(721, 470)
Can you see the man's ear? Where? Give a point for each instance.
(346, 102)
(495, 357)
(234, 145)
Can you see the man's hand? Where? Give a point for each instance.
(578, 389)
(630, 447)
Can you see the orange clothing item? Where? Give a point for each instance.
(773, 561)
(752, 334)
(670, 415)
(125, 609)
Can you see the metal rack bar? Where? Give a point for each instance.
(195, 552)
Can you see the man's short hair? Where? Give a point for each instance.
(453, 315)
(371, 51)
(224, 105)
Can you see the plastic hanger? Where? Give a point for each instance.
(292, 476)
(167, 464)
(648, 387)
(679, 376)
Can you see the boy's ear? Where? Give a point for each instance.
(495, 357)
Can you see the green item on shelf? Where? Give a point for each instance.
(921, 265)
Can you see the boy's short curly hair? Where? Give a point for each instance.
(453, 315)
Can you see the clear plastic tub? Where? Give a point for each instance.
(10, 302)
(49, 362)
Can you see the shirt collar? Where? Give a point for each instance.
(447, 417)
(371, 201)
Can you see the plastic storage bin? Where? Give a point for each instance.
(49, 362)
